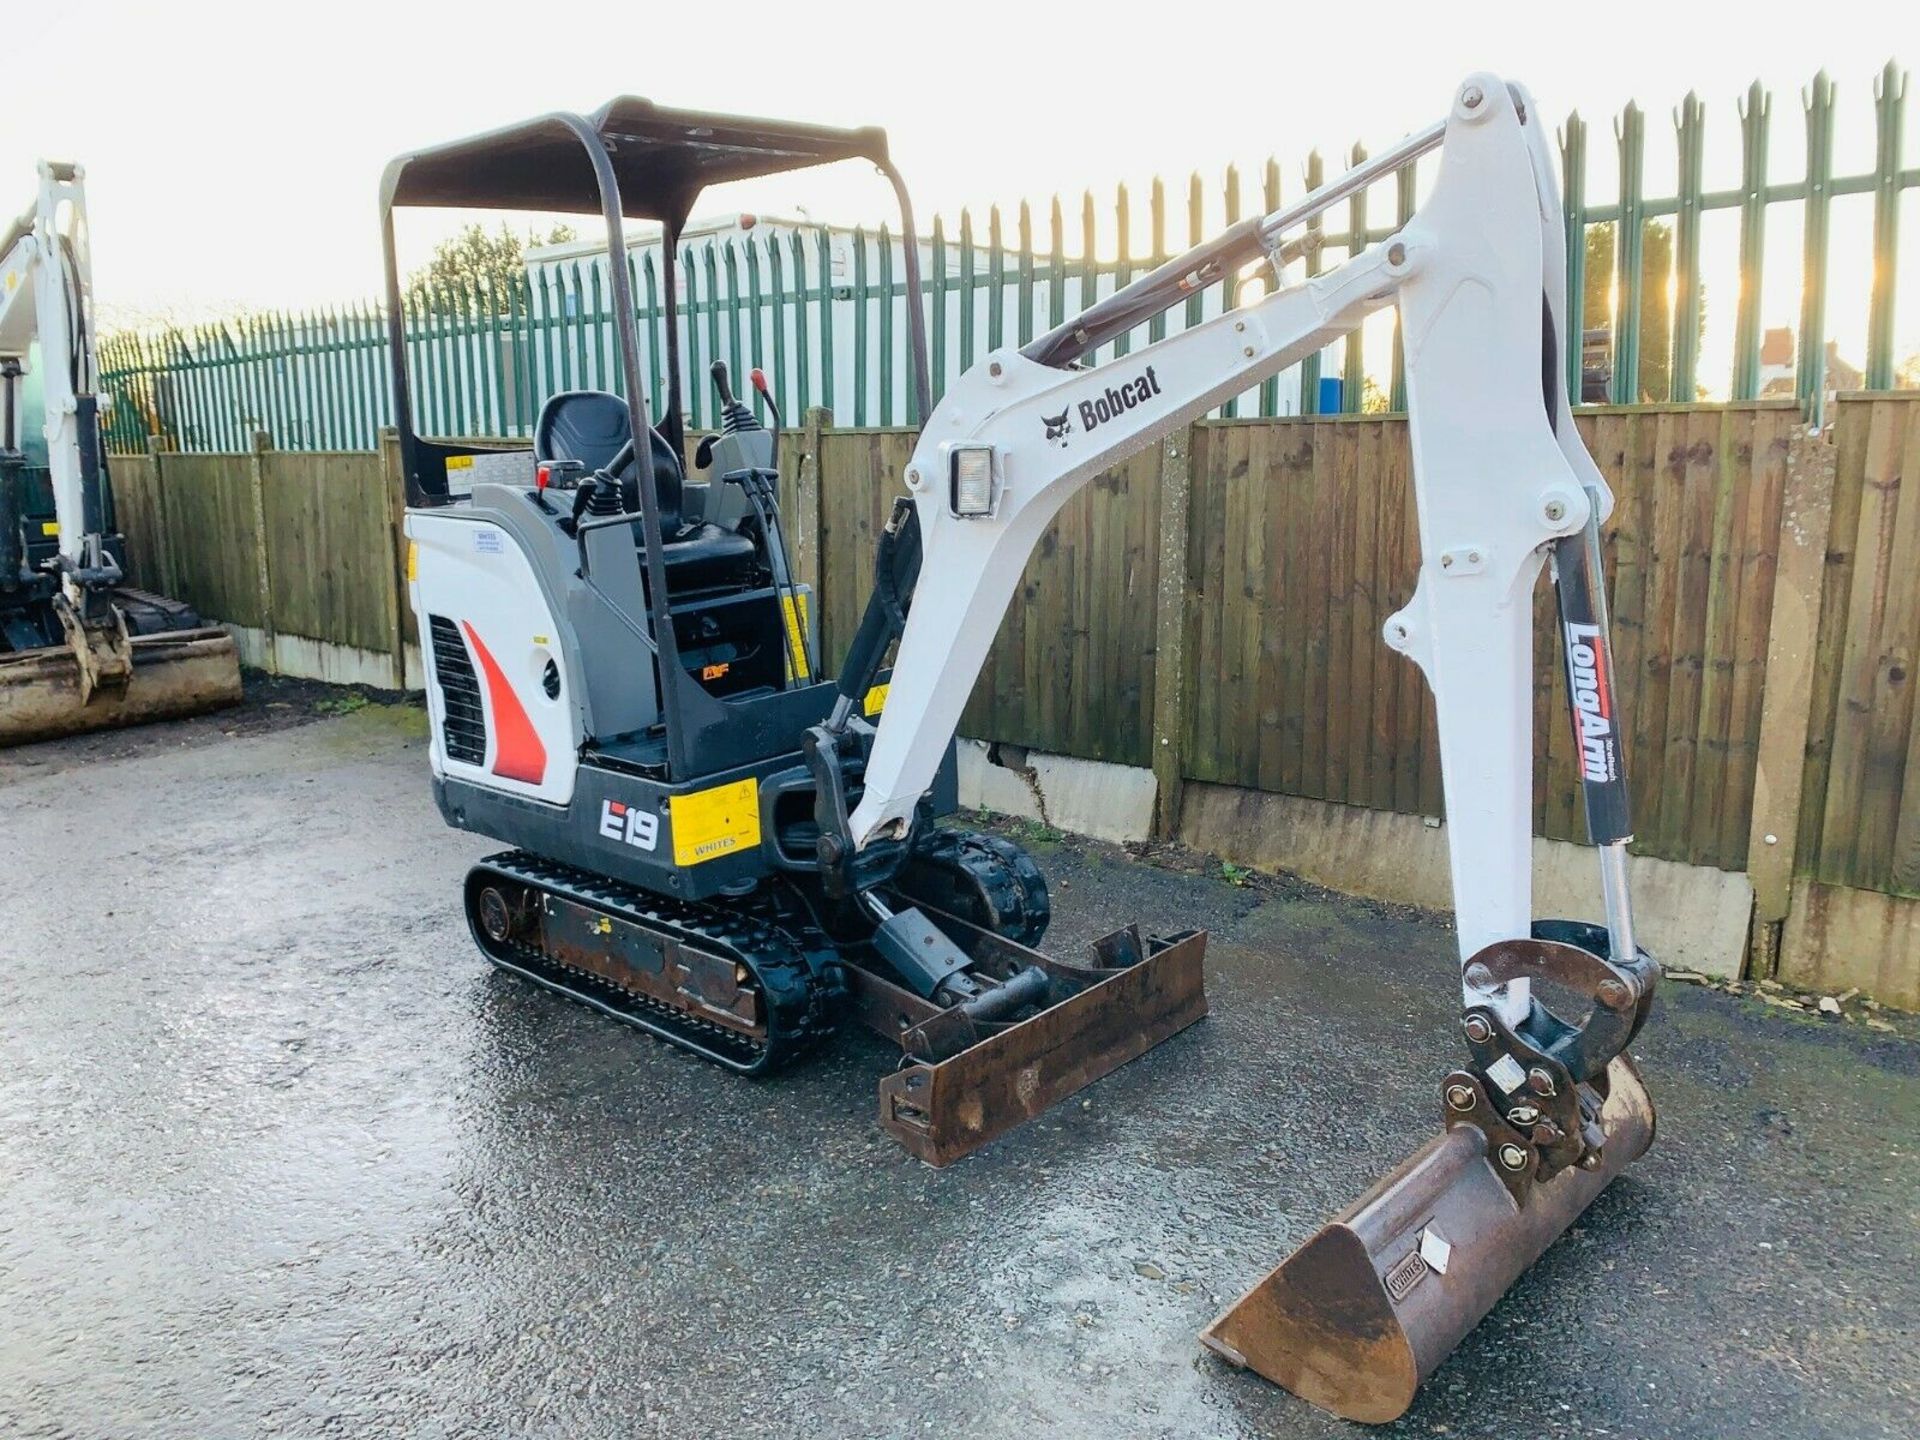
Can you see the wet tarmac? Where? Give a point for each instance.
(280, 1156)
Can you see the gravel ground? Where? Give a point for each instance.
(280, 1155)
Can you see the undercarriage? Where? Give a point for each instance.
(757, 982)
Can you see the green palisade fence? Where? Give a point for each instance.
(824, 310)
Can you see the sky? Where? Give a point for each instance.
(233, 152)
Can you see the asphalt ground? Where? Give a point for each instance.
(280, 1155)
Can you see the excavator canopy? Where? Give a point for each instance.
(629, 160)
(662, 159)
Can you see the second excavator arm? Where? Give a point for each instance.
(46, 298)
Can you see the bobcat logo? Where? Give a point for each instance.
(1058, 426)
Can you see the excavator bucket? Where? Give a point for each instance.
(58, 690)
(1363, 1312)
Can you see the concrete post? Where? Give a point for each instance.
(804, 528)
(1170, 631)
(394, 484)
(1806, 512)
(257, 488)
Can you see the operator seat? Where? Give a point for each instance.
(591, 426)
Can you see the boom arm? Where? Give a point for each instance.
(46, 295)
(1499, 479)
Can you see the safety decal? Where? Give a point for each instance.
(794, 608)
(710, 823)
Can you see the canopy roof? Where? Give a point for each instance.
(661, 160)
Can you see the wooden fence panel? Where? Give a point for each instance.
(1860, 815)
(1690, 560)
(1304, 539)
(860, 475)
(1072, 669)
(1302, 542)
(212, 537)
(136, 509)
(329, 557)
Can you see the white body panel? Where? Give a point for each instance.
(473, 573)
(1493, 481)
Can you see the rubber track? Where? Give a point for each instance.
(1005, 873)
(802, 1007)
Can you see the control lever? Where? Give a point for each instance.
(734, 417)
(759, 379)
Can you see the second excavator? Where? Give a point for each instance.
(80, 648)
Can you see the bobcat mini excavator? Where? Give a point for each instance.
(716, 847)
(79, 650)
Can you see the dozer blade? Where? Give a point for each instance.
(174, 674)
(1363, 1312)
(1139, 996)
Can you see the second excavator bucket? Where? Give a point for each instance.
(1363, 1312)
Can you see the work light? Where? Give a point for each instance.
(970, 468)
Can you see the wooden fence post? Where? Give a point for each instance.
(1806, 511)
(1170, 631)
(394, 487)
(257, 489)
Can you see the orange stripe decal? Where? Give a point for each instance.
(518, 753)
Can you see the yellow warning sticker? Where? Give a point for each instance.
(49, 527)
(459, 462)
(710, 823)
(413, 561)
(876, 699)
(796, 635)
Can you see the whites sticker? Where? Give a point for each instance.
(486, 541)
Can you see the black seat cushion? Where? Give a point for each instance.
(591, 426)
(699, 557)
